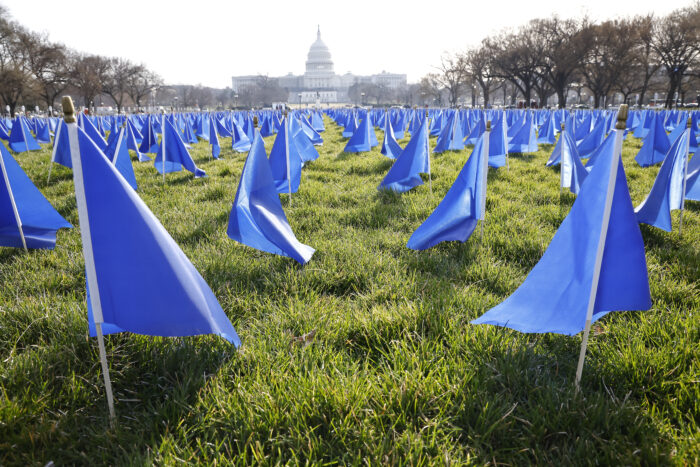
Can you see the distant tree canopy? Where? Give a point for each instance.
(552, 56)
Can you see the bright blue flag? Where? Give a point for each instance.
(118, 154)
(306, 149)
(213, 138)
(128, 243)
(360, 140)
(239, 141)
(603, 152)
(175, 152)
(450, 137)
(149, 143)
(414, 160)
(21, 139)
(593, 140)
(655, 145)
(457, 214)
(61, 146)
(23, 205)
(556, 293)
(89, 128)
(572, 172)
(43, 135)
(390, 147)
(525, 139)
(285, 149)
(257, 218)
(692, 178)
(667, 192)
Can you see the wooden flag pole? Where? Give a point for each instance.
(617, 155)
(286, 153)
(685, 173)
(485, 170)
(53, 152)
(427, 148)
(90, 271)
(561, 164)
(162, 144)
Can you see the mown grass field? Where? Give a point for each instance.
(395, 373)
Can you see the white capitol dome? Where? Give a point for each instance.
(318, 60)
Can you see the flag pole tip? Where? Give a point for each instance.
(68, 109)
(255, 121)
(563, 126)
(622, 117)
(488, 125)
(690, 122)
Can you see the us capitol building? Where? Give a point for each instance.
(320, 83)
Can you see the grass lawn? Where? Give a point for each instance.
(395, 373)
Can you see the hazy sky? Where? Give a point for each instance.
(208, 41)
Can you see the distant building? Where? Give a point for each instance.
(320, 83)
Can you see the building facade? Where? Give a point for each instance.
(320, 83)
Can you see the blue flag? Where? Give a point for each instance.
(21, 139)
(149, 144)
(692, 179)
(118, 154)
(285, 148)
(414, 160)
(128, 243)
(555, 295)
(390, 147)
(257, 218)
(457, 214)
(239, 141)
(213, 138)
(172, 149)
(450, 138)
(603, 152)
(667, 192)
(655, 145)
(38, 220)
(360, 141)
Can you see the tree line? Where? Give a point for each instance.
(548, 58)
(34, 71)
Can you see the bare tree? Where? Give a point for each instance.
(453, 76)
(47, 63)
(564, 45)
(675, 39)
(15, 78)
(141, 84)
(117, 79)
(88, 75)
(479, 69)
(431, 86)
(517, 57)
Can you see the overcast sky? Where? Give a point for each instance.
(208, 41)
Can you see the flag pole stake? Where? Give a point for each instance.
(485, 170)
(90, 272)
(617, 155)
(427, 148)
(685, 174)
(286, 153)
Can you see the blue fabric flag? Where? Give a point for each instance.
(239, 140)
(118, 154)
(61, 146)
(149, 144)
(278, 161)
(603, 152)
(572, 172)
(38, 218)
(21, 139)
(450, 138)
(554, 297)
(667, 192)
(692, 178)
(655, 145)
(213, 138)
(129, 243)
(176, 154)
(593, 140)
(525, 139)
(89, 128)
(457, 214)
(307, 151)
(390, 147)
(360, 140)
(257, 218)
(414, 160)
(43, 134)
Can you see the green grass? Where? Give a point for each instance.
(395, 373)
